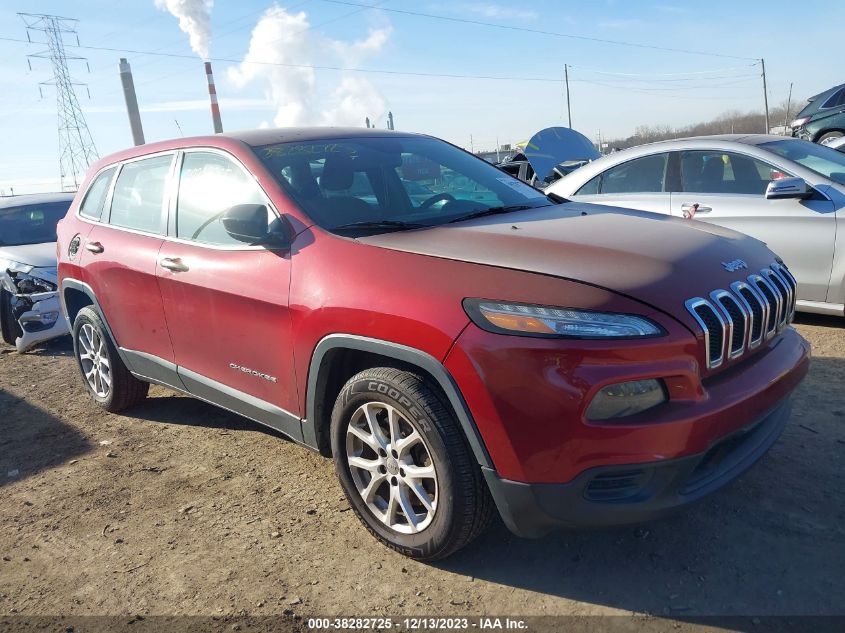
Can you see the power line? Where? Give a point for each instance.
(230, 60)
(524, 29)
(380, 71)
(690, 72)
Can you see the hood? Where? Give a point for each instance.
(656, 259)
(555, 145)
(37, 255)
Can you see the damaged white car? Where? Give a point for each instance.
(29, 302)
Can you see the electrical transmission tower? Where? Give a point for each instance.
(76, 147)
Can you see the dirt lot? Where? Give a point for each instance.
(181, 508)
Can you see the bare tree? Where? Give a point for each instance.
(729, 122)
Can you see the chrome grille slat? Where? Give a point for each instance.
(756, 310)
(783, 295)
(750, 312)
(772, 298)
(791, 286)
(714, 335)
(736, 319)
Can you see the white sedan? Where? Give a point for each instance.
(786, 192)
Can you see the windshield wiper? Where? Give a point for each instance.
(381, 224)
(495, 211)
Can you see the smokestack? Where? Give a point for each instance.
(131, 102)
(212, 94)
(367, 122)
(389, 120)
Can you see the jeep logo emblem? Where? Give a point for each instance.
(735, 265)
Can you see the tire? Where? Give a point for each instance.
(827, 137)
(106, 378)
(9, 326)
(460, 506)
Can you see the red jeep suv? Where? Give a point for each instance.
(458, 342)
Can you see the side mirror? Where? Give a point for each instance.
(248, 223)
(788, 188)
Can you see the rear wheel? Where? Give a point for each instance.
(827, 137)
(405, 465)
(106, 378)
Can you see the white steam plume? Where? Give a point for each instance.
(194, 19)
(280, 37)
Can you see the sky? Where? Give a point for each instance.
(477, 74)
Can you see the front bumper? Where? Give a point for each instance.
(34, 331)
(635, 493)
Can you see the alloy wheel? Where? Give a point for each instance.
(391, 467)
(94, 359)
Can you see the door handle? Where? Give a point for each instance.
(690, 210)
(173, 264)
(94, 247)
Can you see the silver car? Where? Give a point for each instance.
(786, 192)
(29, 303)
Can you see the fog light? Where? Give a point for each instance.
(626, 398)
(44, 318)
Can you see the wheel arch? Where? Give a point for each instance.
(828, 130)
(338, 357)
(76, 295)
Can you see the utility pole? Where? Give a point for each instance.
(788, 104)
(765, 94)
(76, 147)
(568, 108)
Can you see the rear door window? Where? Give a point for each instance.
(590, 188)
(92, 205)
(138, 199)
(641, 175)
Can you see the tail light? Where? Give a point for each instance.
(799, 122)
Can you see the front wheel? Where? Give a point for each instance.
(405, 465)
(827, 137)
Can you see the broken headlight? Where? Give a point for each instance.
(26, 284)
(25, 280)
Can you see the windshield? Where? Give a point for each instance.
(31, 223)
(822, 160)
(391, 180)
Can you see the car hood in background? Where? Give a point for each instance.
(555, 145)
(37, 255)
(653, 258)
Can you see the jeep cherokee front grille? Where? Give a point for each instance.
(740, 318)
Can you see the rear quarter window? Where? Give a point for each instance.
(835, 100)
(95, 197)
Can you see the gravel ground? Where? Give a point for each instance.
(179, 508)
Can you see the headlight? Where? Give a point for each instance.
(17, 267)
(626, 398)
(545, 321)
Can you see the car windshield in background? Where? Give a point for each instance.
(31, 224)
(823, 160)
(367, 184)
